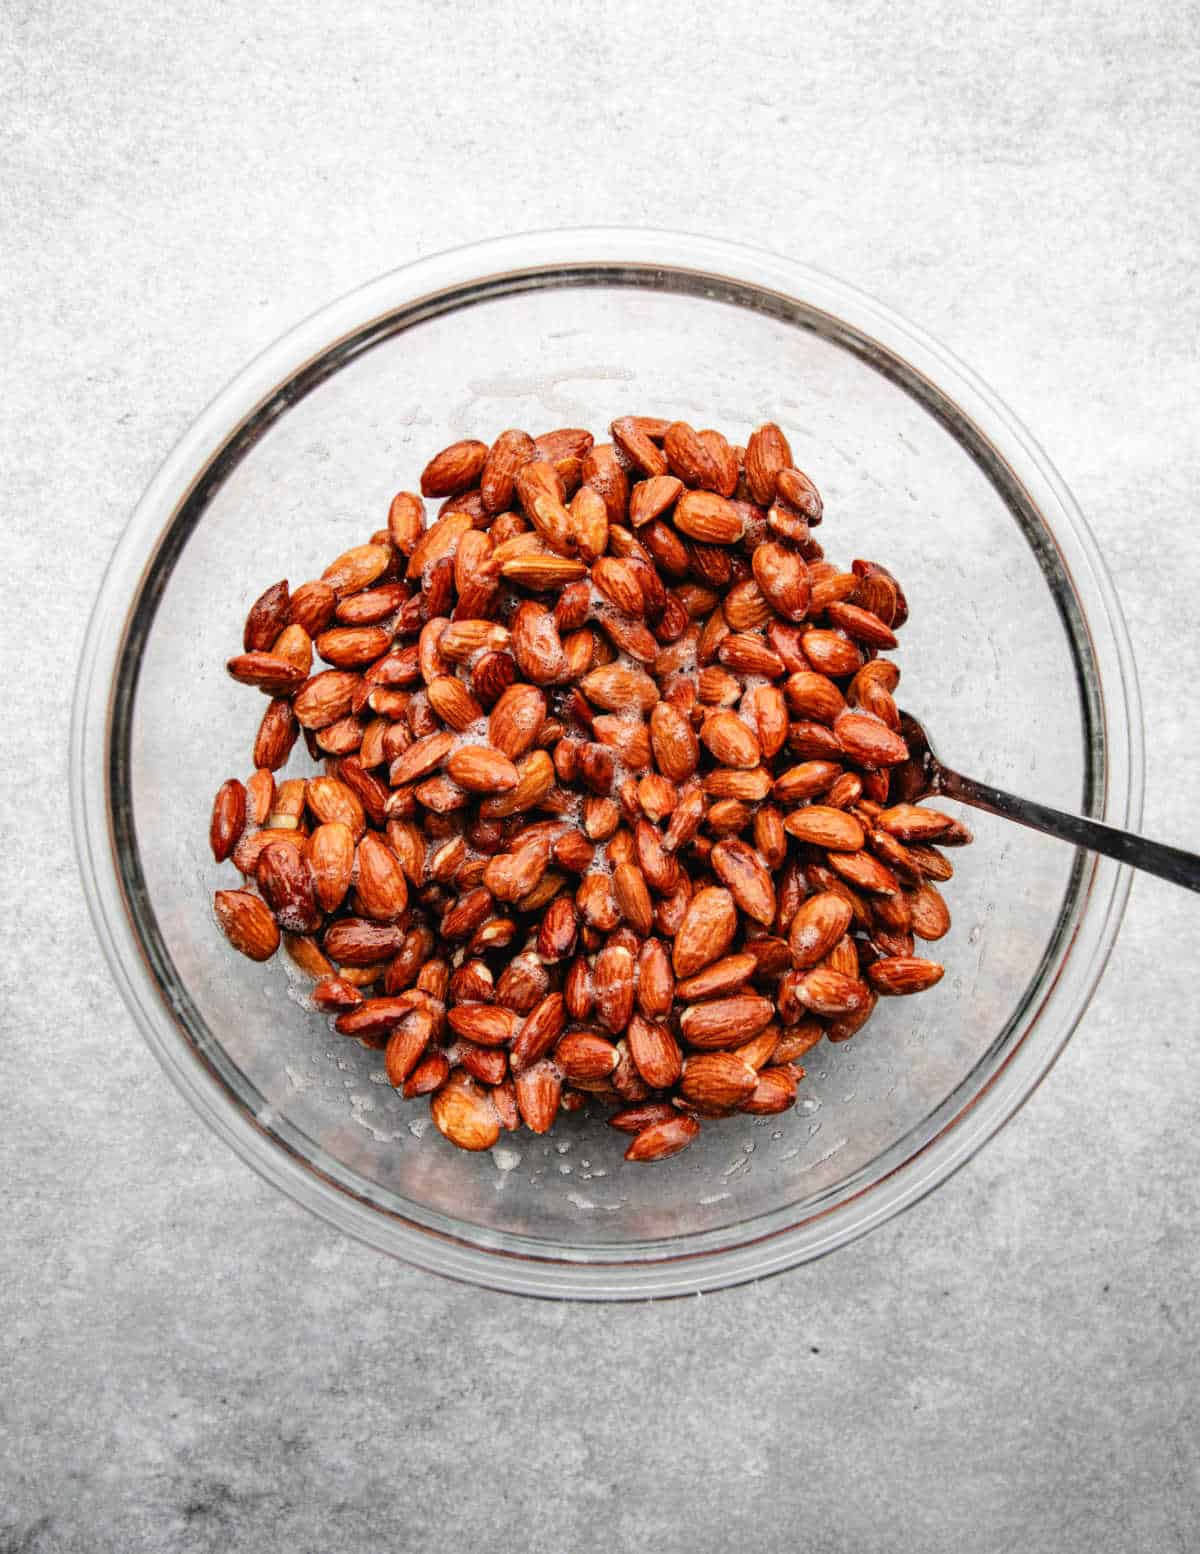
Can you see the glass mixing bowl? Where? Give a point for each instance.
(1016, 657)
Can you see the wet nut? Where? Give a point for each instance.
(612, 803)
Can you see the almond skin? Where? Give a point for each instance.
(730, 741)
(247, 923)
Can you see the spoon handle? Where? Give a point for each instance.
(1169, 863)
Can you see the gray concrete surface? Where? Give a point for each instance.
(189, 1362)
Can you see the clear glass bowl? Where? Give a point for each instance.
(1016, 656)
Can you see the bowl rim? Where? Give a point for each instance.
(490, 1258)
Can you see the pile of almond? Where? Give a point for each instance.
(614, 799)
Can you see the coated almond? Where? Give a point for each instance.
(655, 1052)
(817, 926)
(454, 469)
(767, 453)
(247, 923)
(381, 888)
(706, 932)
(718, 1080)
(705, 516)
(539, 1091)
(463, 1113)
(824, 826)
(730, 741)
(660, 1140)
(726, 1022)
(901, 974)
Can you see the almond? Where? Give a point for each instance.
(912, 823)
(747, 878)
(868, 741)
(814, 696)
(797, 490)
(806, 781)
(767, 453)
(453, 703)
(312, 606)
(228, 819)
(454, 469)
(247, 923)
(355, 941)
(462, 1112)
(649, 499)
(330, 799)
(267, 617)
(276, 735)
(356, 569)
(286, 882)
(612, 981)
(929, 913)
(690, 457)
(655, 1052)
(505, 457)
(375, 1016)
(633, 1119)
(724, 1022)
(421, 758)
(324, 699)
(730, 741)
(828, 992)
(703, 515)
(774, 1092)
(352, 647)
(539, 1091)
(381, 888)
(904, 974)
(488, 1025)
(662, 1139)
(817, 926)
(602, 471)
(617, 688)
(641, 451)
(718, 1080)
(267, 671)
(783, 578)
(864, 872)
(618, 582)
(584, 1055)
(480, 769)
(706, 932)
(726, 975)
(823, 826)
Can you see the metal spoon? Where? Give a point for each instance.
(923, 773)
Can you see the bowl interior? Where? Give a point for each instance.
(995, 658)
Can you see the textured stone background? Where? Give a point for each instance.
(189, 1362)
